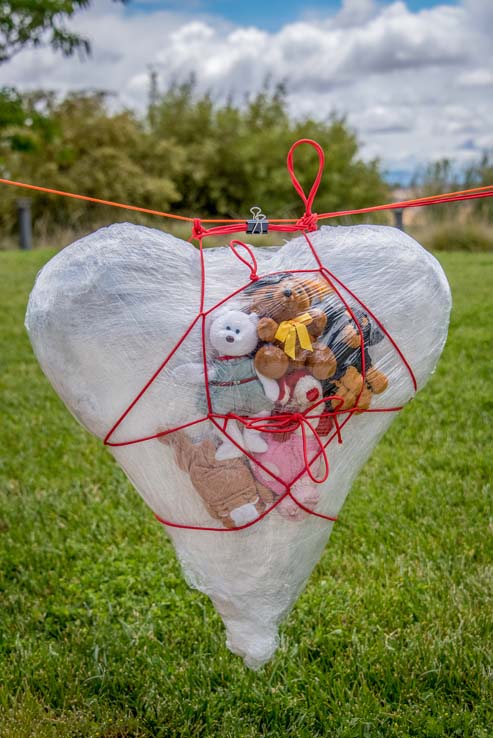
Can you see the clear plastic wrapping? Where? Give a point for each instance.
(243, 398)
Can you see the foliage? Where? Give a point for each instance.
(36, 22)
(445, 176)
(100, 636)
(235, 156)
(472, 235)
(76, 145)
(189, 154)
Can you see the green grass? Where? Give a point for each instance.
(100, 636)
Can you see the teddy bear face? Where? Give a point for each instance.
(282, 301)
(234, 333)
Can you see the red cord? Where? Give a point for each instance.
(253, 265)
(308, 201)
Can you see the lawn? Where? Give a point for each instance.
(100, 636)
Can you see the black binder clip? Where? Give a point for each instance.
(259, 223)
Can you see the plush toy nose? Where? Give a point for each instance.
(230, 339)
(287, 293)
(312, 394)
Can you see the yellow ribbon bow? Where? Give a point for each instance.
(290, 329)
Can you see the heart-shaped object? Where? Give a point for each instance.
(113, 322)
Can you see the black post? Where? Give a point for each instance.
(25, 229)
(399, 219)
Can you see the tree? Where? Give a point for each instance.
(76, 145)
(234, 155)
(37, 22)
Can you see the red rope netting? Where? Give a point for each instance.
(308, 420)
(282, 422)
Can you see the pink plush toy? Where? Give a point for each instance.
(286, 460)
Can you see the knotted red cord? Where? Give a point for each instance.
(198, 231)
(253, 265)
(308, 222)
(290, 423)
(307, 200)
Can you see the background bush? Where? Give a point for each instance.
(451, 237)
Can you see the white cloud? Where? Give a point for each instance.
(415, 85)
(356, 12)
(478, 77)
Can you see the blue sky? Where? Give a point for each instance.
(271, 14)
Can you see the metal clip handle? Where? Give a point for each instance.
(259, 223)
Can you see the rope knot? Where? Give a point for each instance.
(308, 222)
(288, 423)
(198, 231)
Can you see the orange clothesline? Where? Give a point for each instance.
(417, 202)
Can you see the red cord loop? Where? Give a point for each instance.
(253, 265)
(308, 201)
(288, 423)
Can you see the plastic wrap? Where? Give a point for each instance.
(295, 373)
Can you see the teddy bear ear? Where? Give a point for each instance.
(254, 304)
(316, 289)
(221, 312)
(211, 319)
(254, 317)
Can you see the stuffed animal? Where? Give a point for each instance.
(285, 455)
(299, 390)
(286, 459)
(343, 337)
(235, 384)
(227, 488)
(289, 327)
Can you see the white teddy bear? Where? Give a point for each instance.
(234, 384)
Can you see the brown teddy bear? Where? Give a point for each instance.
(227, 488)
(350, 386)
(289, 326)
(344, 338)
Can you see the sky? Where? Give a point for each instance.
(270, 15)
(414, 78)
